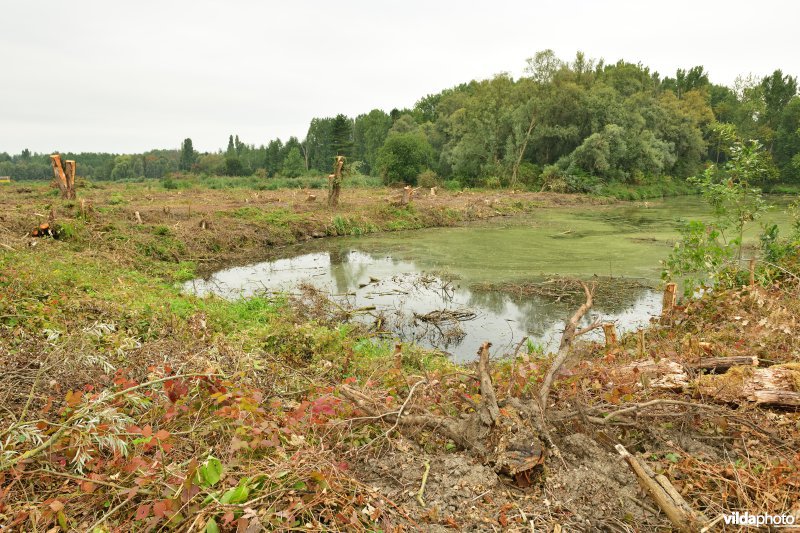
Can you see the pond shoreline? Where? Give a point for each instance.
(510, 271)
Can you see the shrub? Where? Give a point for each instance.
(529, 175)
(428, 179)
(452, 185)
(403, 157)
(493, 182)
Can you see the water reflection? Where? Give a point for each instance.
(403, 294)
(388, 270)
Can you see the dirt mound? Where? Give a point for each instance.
(593, 490)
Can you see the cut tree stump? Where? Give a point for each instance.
(510, 441)
(69, 171)
(64, 180)
(670, 295)
(405, 196)
(610, 332)
(640, 342)
(335, 181)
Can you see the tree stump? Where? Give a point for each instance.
(610, 332)
(335, 181)
(670, 295)
(405, 197)
(64, 179)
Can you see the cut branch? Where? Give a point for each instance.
(569, 335)
(490, 410)
(662, 492)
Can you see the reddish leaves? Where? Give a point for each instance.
(175, 389)
(143, 511)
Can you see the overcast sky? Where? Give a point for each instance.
(130, 76)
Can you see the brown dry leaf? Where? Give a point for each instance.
(56, 505)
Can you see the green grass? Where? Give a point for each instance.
(349, 226)
(193, 181)
(400, 218)
(274, 217)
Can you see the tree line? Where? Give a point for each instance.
(563, 125)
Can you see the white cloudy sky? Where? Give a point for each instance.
(91, 75)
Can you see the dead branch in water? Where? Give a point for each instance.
(443, 316)
(570, 332)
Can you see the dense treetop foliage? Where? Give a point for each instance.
(563, 125)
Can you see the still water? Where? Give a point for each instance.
(404, 277)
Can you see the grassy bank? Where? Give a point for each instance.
(199, 225)
(660, 189)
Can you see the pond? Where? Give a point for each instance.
(453, 288)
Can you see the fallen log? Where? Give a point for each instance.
(716, 364)
(664, 374)
(777, 385)
(663, 493)
(444, 316)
